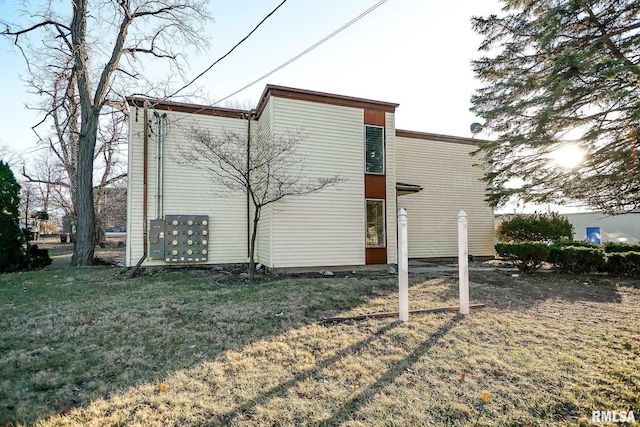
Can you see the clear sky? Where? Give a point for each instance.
(413, 52)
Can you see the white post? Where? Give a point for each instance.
(463, 263)
(403, 266)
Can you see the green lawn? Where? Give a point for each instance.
(87, 347)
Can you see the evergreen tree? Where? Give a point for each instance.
(561, 72)
(11, 253)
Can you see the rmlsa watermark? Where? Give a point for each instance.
(613, 417)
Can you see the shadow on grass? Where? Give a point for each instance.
(281, 389)
(363, 398)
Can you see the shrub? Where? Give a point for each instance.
(39, 257)
(620, 247)
(623, 263)
(11, 252)
(576, 243)
(526, 255)
(577, 259)
(535, 228)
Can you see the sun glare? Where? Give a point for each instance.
(569, 156)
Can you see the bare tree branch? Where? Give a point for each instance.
(272, 171)
(18, 33)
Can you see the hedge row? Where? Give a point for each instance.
(578, 259)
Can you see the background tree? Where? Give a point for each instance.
(95, 47)
(272, 171)
(44, 190)
(7, 155)
(560, 72)
(11, 237)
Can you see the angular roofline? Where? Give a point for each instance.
(322, 98)
(269, 90)
(182, 107)
(298, 94)
(438, 137)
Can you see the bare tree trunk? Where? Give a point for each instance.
(252, 249)
(84, 247)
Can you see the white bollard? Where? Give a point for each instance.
(463, 262)
(403, 266)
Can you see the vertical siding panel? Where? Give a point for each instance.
(390, 137)
(324, 228)
(263, 238)
(450, 183)
(134, 187)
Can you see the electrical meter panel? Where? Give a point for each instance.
(186, 238)
(156, 239)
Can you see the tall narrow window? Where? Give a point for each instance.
(375, 224)
(374, 141)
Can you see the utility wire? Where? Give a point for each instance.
(304, 52)
(298, 56)
(222, 57)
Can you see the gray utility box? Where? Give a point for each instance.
(156, 239)
(180, 238)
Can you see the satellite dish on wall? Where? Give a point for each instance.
(475, 128)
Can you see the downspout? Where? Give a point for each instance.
(160, 165)
(145, 140)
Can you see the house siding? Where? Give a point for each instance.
(134, 187)
(324, 228)
(265, 225)
(391, 165)
(450, 183)
(187, 190)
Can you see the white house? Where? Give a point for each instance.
(176, 214)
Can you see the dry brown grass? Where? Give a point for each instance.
(178, 350)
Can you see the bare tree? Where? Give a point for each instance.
(96, 49)
(7, 155)
(272, 171)
(47, 176)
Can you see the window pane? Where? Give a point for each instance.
(375, 224)
(375, 149)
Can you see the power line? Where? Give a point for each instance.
(304, 52)
(223, 56)
(298, 56)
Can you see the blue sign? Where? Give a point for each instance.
(593, 235)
